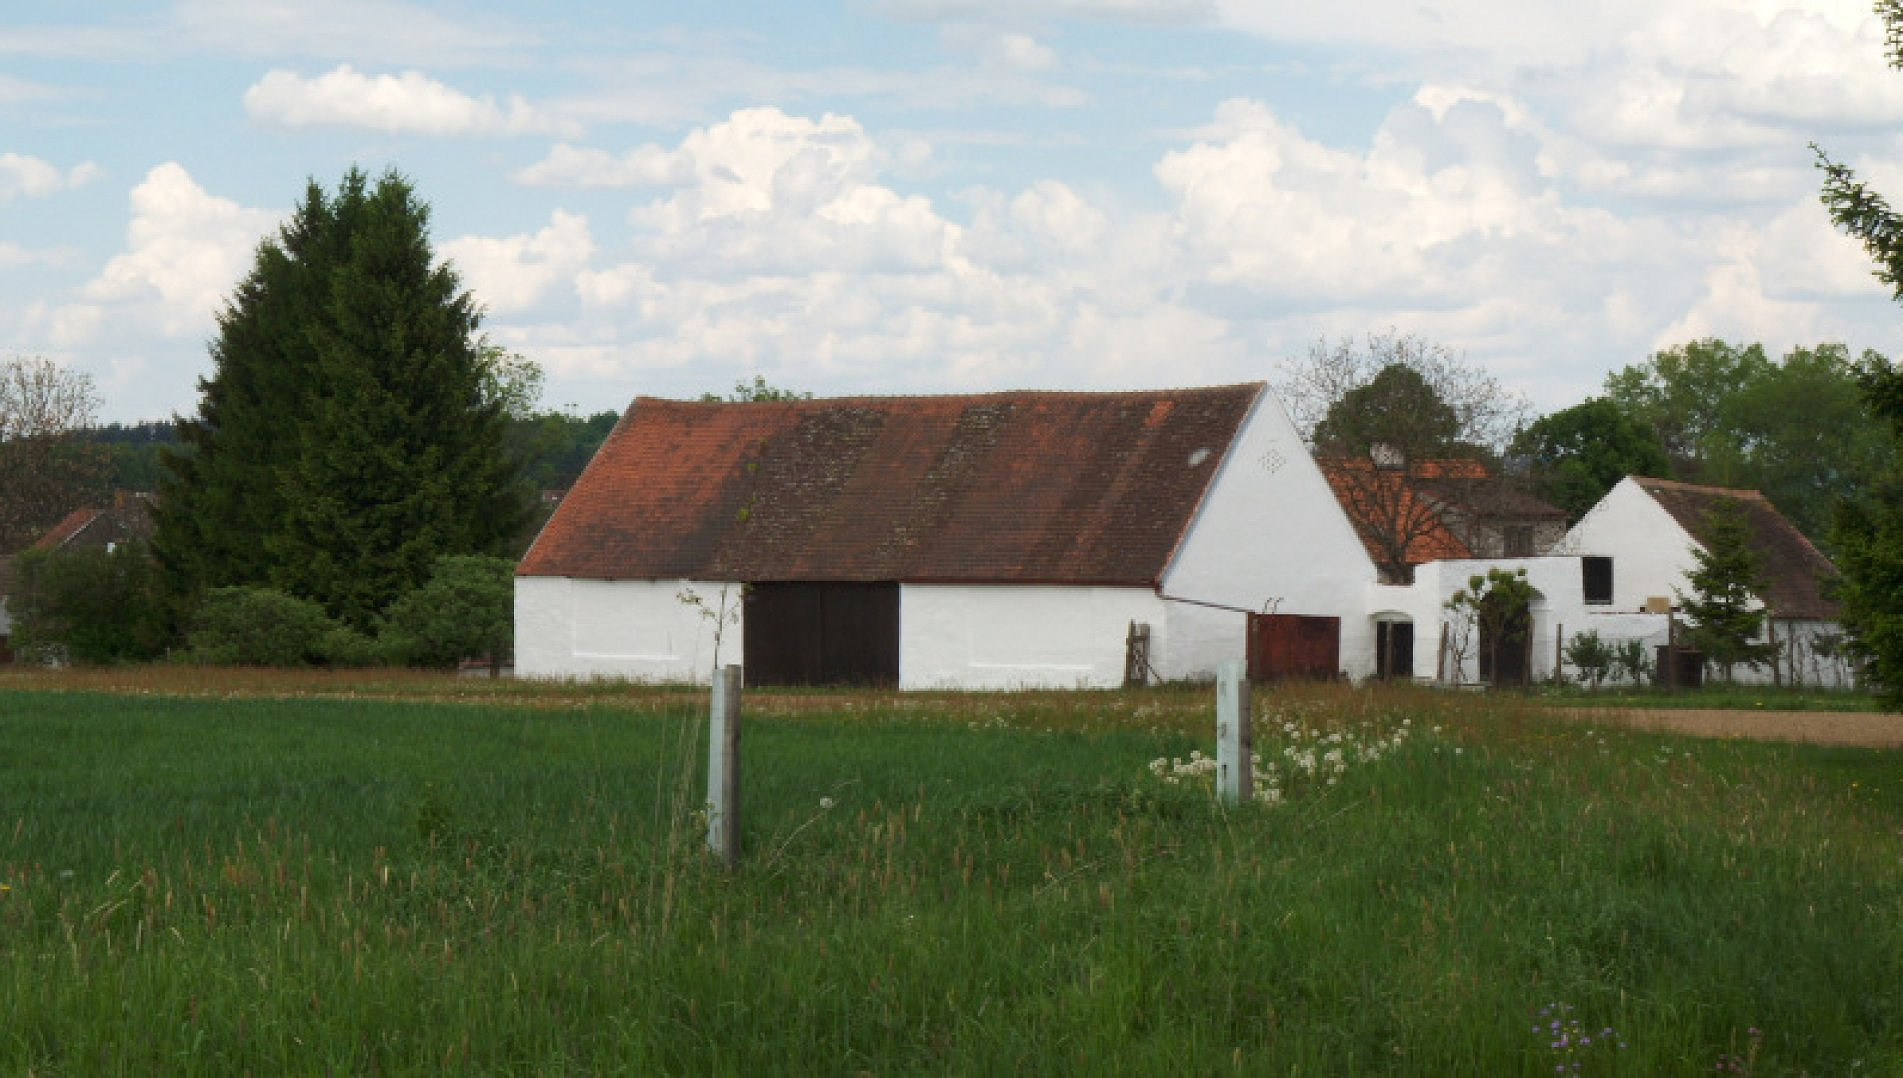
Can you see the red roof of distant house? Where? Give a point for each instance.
(129, 517)
(69, 526)
(1794, 569)
(1077, 488)
(1391, 500)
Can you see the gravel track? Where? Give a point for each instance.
(1858, 728)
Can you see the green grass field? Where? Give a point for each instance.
(317, 882)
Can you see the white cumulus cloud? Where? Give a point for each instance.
(407, 103)
(31, 177)
(514, 273)
(186, 249)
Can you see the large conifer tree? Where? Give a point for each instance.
(350, 431)
(1726, 609)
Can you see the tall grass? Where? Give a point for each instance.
(963, 884)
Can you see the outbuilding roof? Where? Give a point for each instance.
(1020, 487)
(1794, 569)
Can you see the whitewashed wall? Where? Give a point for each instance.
(1011, 637)
(1652, 555)
(1559, 613)
(634, 629)
(1650, 551)
(1269, 536)
(1197, 639)
(1805, 664)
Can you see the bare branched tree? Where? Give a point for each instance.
(1485, 414)
(46, 469)
(1406, 432)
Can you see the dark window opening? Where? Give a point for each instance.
(1517, 540)
(1596, 579)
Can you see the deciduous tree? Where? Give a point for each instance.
(1682, 393)
(1386, 416)
(46, 468)
(1577, 454)
(1484, 412)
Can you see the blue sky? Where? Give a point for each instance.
(917, 196)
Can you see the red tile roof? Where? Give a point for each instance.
(69, 526)
(1795, 569)
(1072, 488)
(1387, 503)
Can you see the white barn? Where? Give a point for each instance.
(994, 541)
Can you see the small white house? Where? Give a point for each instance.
(994, 541)
(1640, 541)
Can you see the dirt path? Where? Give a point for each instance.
(1860, 728)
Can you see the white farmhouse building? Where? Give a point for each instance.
(1642, 537)
(1015, 540)
(993, 541)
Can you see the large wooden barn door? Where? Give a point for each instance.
(1293, 646)
(822, 634)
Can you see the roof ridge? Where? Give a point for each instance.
(1741, 493)
(997, 394)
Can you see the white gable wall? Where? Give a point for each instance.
(1269, 537)
(1651, 553)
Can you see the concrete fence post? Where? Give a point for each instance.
(1235, 737)
(723, 767)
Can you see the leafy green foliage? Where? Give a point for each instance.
(1630, 661)
(1869, 528)
(1725, 611)
(89, 605)
(553, 447)
(261, 627)
(465, 610)
(757, 391)
(1591, 656)
(1799, 428)
(1869, 542)
(1397, 409)
(1497, 604)
(1681, 395)
(1577, 454)
(353, 427)
(1805, 435)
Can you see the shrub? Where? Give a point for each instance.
(92, 605)
(1591, 655)
(261, 627)
(1630, 659)
(464, 610)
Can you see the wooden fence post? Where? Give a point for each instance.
(1559, 652)
(1235, 737)
(723, 767)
